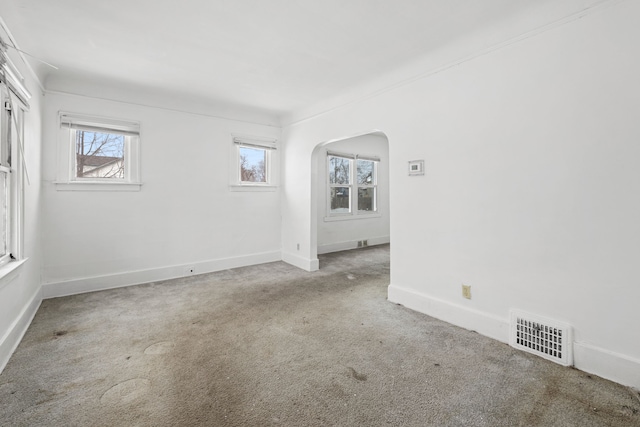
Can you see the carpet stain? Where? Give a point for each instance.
(161, 347)
(356, 375)
(549, 394)
(126, 392)
(60, 333)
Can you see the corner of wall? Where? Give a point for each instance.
(485, 324)
(301, 262)
(589, 358)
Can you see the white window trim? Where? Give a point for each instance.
(353, 186)
(67, 181)
(9, 266)
(271, 163)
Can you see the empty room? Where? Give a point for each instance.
(319, 213)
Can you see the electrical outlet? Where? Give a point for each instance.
(466, 291)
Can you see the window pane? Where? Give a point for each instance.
(366, 172)
(339, 170)
(99, 155)
(253, 164)
(340, 200)
(366, 199)
(4, 217)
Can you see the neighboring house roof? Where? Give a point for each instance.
(97, 161)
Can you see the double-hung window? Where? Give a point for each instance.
(352, 185)
(13, 98)
(99, 151)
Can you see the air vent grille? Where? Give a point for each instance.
(546, 338)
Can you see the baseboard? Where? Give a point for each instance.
(301, 262)
(18, 328)
(351, 244)
(119, 280)
(607, 364)
(484, 323)
(589, 358)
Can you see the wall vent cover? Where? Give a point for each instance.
(544, 337)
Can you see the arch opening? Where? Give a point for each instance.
(366, 222)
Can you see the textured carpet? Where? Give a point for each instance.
(272, 345)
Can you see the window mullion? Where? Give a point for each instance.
(353, 190)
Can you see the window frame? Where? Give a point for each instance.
(354, 186)
(373, 185)
(126, 157)
(70, 125)
(267, 165)
(331, 186)
(269, 146)
(12, 164)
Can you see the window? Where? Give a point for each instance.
(340, 185)
(14, 102)
(11, 175)
(367, 185)
(255, 158)
(99, 151)
(352, 184)
(253, 164)
(99, 155)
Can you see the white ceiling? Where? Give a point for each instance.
(274, 56)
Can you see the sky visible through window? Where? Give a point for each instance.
(253, 155)
(253, 164)
(100, 144)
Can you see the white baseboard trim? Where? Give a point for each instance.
(18, 328)
(484, 323)
(99, 283)
(301, 262)
(607, 364)
(613, 366)
(352, 244)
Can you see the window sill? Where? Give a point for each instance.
(253, 187)
(10, 271)
(98, 186)
(351, 217)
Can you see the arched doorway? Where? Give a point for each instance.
(350, 193)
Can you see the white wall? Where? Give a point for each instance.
(20, 297)
(344, 234)
(531, 187)
(185, 214)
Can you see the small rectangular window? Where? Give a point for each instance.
(100, 155)
(254, 158)
(253, 164)
(101, 151)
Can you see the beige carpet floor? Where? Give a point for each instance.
(272, 345)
